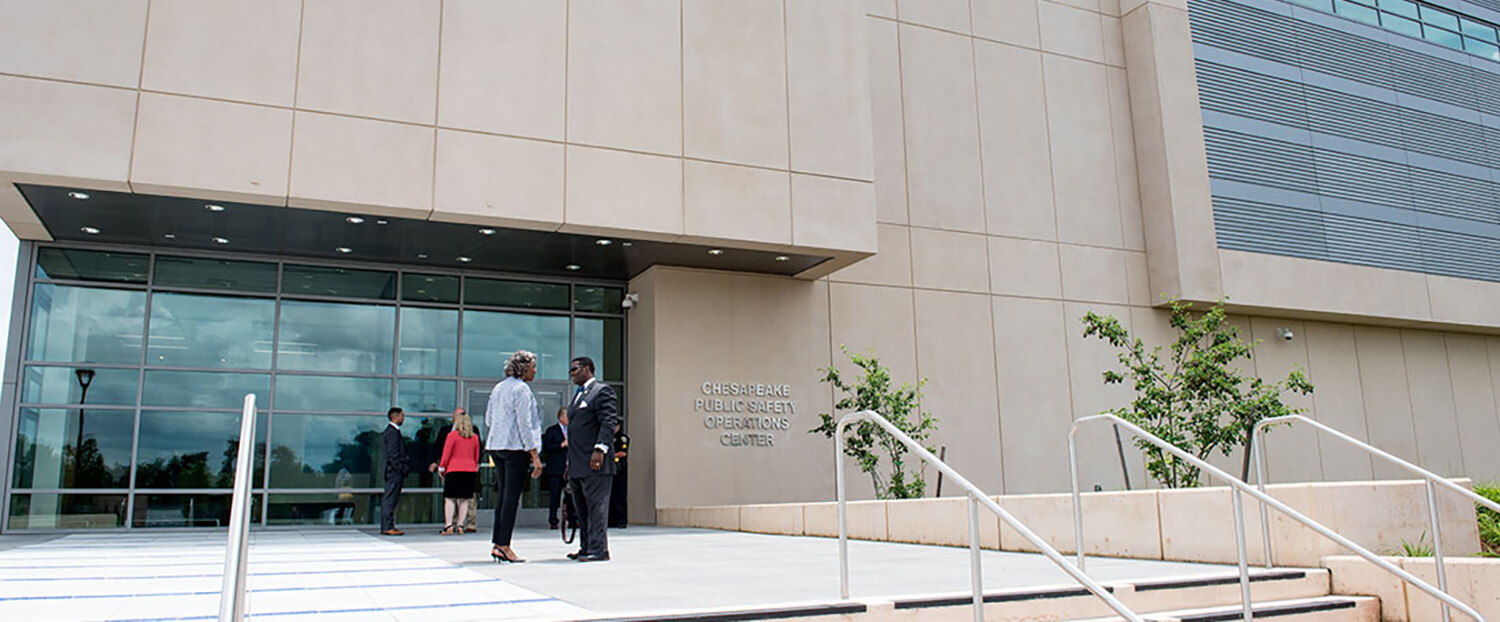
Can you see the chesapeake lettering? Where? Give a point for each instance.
(730, 407)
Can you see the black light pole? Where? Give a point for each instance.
(85, 378)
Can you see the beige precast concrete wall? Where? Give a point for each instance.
(741, 123)
(1176, 525)
(1007, 206)
(1473, 581)
(725, 328)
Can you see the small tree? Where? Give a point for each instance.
(866, 442)
(1195, 399)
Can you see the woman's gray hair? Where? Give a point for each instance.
(516, 366)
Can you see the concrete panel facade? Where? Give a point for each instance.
(1010, 164)
(338, 105)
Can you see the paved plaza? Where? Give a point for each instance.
(354, 575)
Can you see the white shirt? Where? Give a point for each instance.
(579, 399)
(512, 417)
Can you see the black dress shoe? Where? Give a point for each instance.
(602, 557)
(574, 555)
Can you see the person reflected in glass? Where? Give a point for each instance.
(514, 434)
(471, 519)
(555, 457)
(460, 470)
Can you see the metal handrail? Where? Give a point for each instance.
(232, 603)
(1258, 451)
(977, 498)
(1238, 487)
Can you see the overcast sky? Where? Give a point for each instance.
(7, 280)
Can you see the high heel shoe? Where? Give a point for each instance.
(498, 555)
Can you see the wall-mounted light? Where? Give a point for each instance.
(1284, 334)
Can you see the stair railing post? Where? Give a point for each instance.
(838, 469)
(232, 604)
(1239, 541)
(1077, 497)
(1258, 450)
(976, 573)
(1437, 544)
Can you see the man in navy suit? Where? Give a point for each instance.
(591, 469)
(397, 465)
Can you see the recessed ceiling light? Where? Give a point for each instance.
(422, 256)
(81, 196)
(344, 249)
(221, 241)
(625, 244)
(429, 279)
(170, 236)
(603, 242)
(782, 258)
(382, 222)
(90, 230)
(573, 267)
(486, 232)
(354, 220)
(214, 207)
(716, 251)
(462, 259)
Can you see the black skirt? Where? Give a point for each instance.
(459, 485)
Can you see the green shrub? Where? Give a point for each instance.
(1489, 520)
(869, 444)
(1420, 548)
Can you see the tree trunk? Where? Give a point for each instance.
(1245, 468)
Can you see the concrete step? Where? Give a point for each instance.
(1279, 592)
(1322, 609)
(1071, 602)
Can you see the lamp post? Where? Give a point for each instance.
(85, 378)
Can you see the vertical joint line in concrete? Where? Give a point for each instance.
(437, 96)
(296, 94)
(786, 59)
(140, 80)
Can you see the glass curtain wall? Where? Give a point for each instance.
(135, 366)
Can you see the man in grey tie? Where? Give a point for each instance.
(591, 426)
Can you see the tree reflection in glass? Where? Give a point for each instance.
(49, 454)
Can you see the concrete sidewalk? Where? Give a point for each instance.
(325, 574)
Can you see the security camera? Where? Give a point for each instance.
(1285, 334)
(630, 300)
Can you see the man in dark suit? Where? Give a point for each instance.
(555, 461)
(396, 467)
(591, 427)
(619, 516)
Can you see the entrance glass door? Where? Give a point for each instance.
(551, 395)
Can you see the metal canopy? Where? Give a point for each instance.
(189, 224)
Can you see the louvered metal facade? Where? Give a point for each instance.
(1334, 140)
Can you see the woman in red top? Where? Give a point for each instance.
(460, 469)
